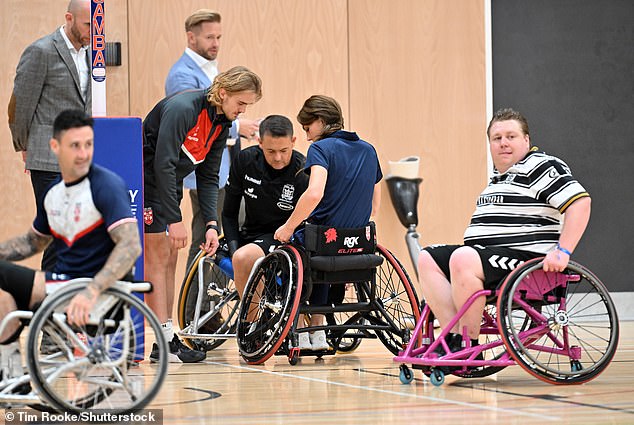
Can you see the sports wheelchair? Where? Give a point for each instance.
(208, 301)
(560, 327)
(95, 366)
(381, 301)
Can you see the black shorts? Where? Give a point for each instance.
(497, 262)
(153, 216)
(17, 281)
(266, 242)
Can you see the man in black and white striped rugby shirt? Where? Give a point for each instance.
(518, 216)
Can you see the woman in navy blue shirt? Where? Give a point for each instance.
(343, 189)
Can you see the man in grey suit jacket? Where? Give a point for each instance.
(196, 69)
(52, 75)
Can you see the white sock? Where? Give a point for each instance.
(168, 330)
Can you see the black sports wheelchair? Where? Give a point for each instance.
(371, 296)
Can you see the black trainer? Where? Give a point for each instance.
(179, 352)
(454, 342)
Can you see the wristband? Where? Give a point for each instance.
(564, 250)
(212, 226)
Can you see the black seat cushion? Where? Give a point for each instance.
(339, 263)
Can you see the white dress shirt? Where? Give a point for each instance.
(81, 62)
(210, 68)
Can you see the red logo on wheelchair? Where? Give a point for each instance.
(331, 235)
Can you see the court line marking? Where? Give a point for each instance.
(554, 398)
(398, 393)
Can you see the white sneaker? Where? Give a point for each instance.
(304, 341)
(318, 341)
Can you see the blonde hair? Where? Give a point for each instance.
(234, 80)
(200, 16)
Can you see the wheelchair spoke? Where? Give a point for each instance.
(399, 301)
(269, 304)
(215, 314)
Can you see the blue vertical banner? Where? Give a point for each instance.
(119, 147)
(98, 57)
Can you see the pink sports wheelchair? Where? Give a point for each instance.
(560, 327)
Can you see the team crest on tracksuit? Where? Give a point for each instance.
(148, 216)
(286, 198)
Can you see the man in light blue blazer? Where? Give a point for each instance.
(186, 74)
(196, 69)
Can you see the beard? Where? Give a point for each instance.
(74, 32)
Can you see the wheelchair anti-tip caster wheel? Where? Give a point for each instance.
(293, 357)
(437, 377)
(406, 375)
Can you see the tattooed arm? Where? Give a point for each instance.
(24, 246)
(126, 250)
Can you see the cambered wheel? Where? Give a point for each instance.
(219, 306)
(572, 319)
(269, 305)
(398, 297)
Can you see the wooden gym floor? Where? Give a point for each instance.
(363, 387)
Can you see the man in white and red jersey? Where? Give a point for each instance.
(184, 133)
(87, 215)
